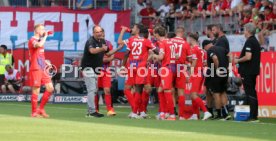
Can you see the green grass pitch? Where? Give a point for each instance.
(68, 123)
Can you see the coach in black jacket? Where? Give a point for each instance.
(249, 68)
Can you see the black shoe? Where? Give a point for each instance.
(227, 117)
(96, 115)
(217, 117)
(254, 120)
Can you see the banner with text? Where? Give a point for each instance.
(71, 28)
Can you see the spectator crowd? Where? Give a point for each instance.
(261, 12)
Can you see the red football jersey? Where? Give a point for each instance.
(200, 56)
(182, 49)
(168, 49)
(138, 47)
(110, 46)
(37, 57)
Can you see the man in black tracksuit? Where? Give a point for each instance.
(249, 68)
(216, 75)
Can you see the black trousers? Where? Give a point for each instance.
(249, 83)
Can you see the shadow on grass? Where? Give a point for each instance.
(76, 113)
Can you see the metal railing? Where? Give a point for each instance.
(230, 24)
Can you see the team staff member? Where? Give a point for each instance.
(249, 68)
(5, 59)
(37, 73)
(222, 41)
(210, 34)
(209, 98)
(92, 62)
(216, 79)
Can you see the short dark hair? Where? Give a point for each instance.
(210, 26)
(171, 35)
(219, 26)
(144, 32)
(139, 26)
(4, 47)
(161, 31)
(194, 36)
(206, 42)
(8, 66)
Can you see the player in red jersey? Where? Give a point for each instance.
(149, 80)
(167, 57)
(104, 81)
(38, 71)
(197, 76)
(137, 52)
(183, 53)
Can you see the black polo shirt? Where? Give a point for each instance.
(92, 60)
(221, 53)
(251, 67)
(223, 42)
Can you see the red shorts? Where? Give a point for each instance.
(180, 80)
(38, 78)
(196, 82)
(137, 76)
(166, 76)
(104, 80)
(153, 80)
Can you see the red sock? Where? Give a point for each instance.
(130, 97)
(96, 102)
(200, 103)
(195, 107)
(34, 102)
(181, 105)
(170, 105)
(162, 102)
(108, 102)
(137, 99)
(44, 99)
(145, 100)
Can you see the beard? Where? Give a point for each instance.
(216, 35)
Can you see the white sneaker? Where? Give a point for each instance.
(157, 116)
(135, 116)
(160, 116)
(143, 115)
(182, 118)
(130, 114)
(207, 115)
(167, 115)
(193, 117)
